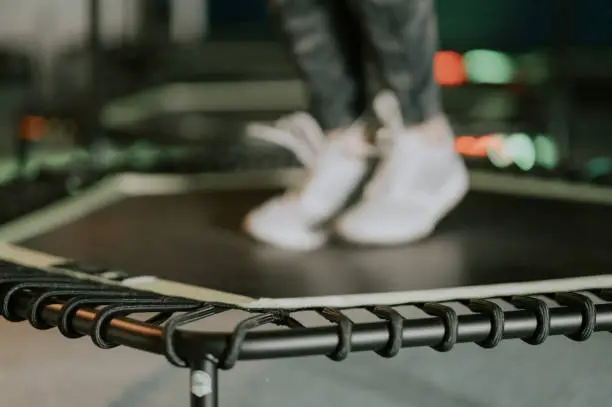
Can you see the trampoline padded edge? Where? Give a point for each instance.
(31, 258)
(28, 258)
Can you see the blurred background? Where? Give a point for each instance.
(527, 84)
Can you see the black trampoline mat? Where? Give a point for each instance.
(195, 238)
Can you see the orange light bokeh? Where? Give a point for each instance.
(449, 69)
(32, 127)
(472, 146)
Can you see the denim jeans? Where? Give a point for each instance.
(329, 40)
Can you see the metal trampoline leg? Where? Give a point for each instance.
(204, 384)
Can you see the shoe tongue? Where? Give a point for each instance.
(404, 143)
(413, 141)
(352, 141)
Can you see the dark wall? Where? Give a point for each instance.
(238, 11)
(594, 21)
(499, 24)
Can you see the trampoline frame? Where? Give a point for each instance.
(575, 308)
(51, 292)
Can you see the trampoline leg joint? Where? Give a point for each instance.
(204, 386)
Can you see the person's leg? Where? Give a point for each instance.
(421, 178)
(404, 34)
(325, 42)
(326, 47)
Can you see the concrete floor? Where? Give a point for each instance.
(44, 369)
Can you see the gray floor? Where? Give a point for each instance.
(44, 369)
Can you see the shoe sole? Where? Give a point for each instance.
(247, 227)
(457, 191)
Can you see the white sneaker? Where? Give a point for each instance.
(295, 220)
(418, 183)
(298, 132)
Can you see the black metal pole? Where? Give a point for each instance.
(204, 385)
(284, 343)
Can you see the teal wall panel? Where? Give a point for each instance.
(500, 24)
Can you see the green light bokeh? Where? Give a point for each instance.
(546, 151)
(489, 67)
(520, 147)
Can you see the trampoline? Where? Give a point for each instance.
(158, 263)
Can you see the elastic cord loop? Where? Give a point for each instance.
(542, 314)
(450, 320)
(103, 318)
(587, 309)
(28, 284)
(396, 327)
(36, 306)
(173, 324)
(496, 317)
(345, 333)
(238, 336)
(71, 307)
